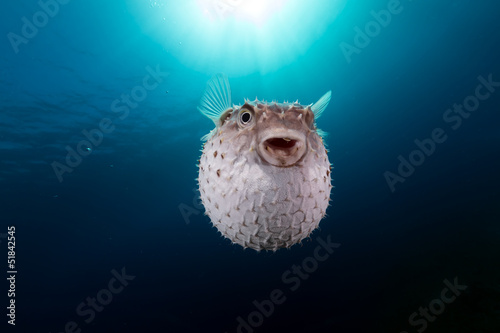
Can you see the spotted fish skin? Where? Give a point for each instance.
(264, 177)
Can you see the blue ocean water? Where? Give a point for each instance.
(100, 136)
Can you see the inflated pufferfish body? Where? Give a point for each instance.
(264, 174)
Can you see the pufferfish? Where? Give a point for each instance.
(264, 174)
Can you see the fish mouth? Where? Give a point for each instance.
(282, 144)
(283, 148)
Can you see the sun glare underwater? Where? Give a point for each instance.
(262, 35)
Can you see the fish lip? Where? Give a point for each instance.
(282, 148)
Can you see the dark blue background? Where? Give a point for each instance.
(120, 206)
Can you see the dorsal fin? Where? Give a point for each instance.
(217, 98)
(321, 104)
(321, 133)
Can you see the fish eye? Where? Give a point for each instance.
(245, 117)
